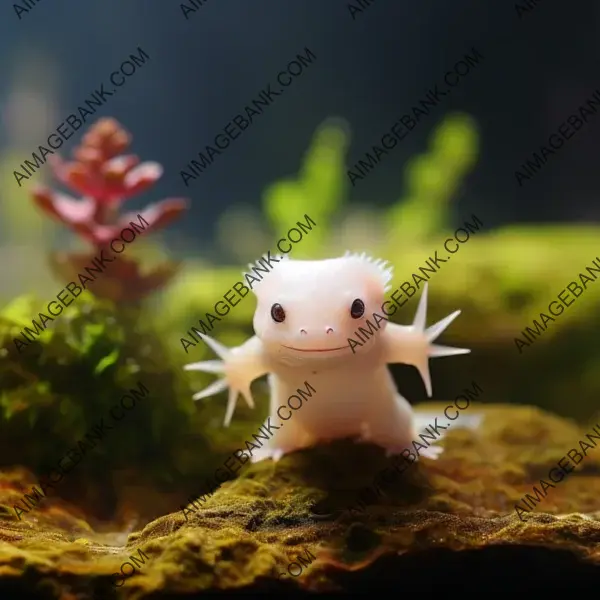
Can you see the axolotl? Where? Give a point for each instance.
(306, 315)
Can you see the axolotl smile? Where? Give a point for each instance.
(315, 349)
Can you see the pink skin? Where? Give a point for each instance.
(355, 393)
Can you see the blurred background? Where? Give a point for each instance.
(370, 68)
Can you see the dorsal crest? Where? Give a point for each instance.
(381, 268)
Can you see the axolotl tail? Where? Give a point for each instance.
(429, 429)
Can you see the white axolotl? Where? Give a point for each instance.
(307, 312)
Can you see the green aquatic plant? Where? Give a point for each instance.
(431, 182)
(318, 189)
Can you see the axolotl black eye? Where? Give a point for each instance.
(277, 313)
(357, 310)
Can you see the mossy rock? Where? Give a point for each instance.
(455, 514)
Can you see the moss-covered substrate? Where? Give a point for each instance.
(450, 520)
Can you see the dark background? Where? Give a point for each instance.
(368, 71)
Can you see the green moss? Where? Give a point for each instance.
(252, 528)
(75, 373)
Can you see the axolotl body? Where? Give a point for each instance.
(307, 312)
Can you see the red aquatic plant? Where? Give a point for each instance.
(105, 178)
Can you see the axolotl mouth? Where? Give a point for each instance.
(315, 349)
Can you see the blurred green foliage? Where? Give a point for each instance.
(57, 388)
(431, 181)
(318, 191)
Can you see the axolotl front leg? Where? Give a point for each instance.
(409, 345)
(240, 367)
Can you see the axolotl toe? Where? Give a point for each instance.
(325, 323)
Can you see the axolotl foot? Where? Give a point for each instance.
(285, 440)
(275, 454)
(433, 452)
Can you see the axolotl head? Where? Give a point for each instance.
(308, 310)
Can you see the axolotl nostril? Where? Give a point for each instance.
(307, 324)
